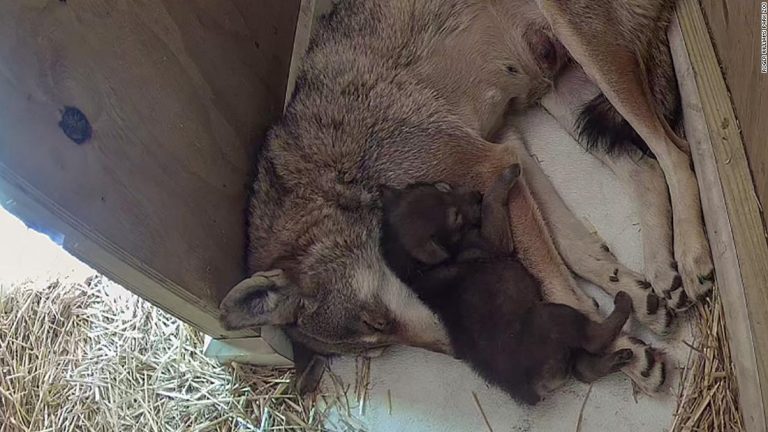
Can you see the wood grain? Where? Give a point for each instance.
(732, 215)
(735, 30)
(178, 93)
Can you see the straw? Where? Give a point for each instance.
(91, 357)
(482, 412)
(707, 393)
(581, 411)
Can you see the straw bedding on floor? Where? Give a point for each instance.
(93, 357)
(77, 357)
(707, 393)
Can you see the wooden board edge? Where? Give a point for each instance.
(250, 350)
(302, 34)
(278, 340)
(731, 210)
(36, 210)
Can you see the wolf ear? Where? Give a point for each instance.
(263, 299)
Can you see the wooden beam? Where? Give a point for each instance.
(731, 209)
(132, 131)
(735, 29)
(304, 25)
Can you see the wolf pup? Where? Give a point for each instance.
(452, 249)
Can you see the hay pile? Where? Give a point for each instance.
(93, 357)
(708, 394)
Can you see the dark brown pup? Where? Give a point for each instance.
(454, 250)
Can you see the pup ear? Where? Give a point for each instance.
(428, 252)
(263, 299)
(443, 187)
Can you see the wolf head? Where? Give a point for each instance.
(323, 278)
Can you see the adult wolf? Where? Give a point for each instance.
(398, 92)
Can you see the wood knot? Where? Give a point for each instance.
(75, 125)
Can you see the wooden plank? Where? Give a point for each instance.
(731, 213)
(249, 350)
(24, 203)
(735, 30)
(178, 93)
(720, 235)
(304, 24)
(309, 12)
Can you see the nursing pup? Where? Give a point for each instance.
(453, 250)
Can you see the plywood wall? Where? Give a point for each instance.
(735, 30)
(176, 95)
